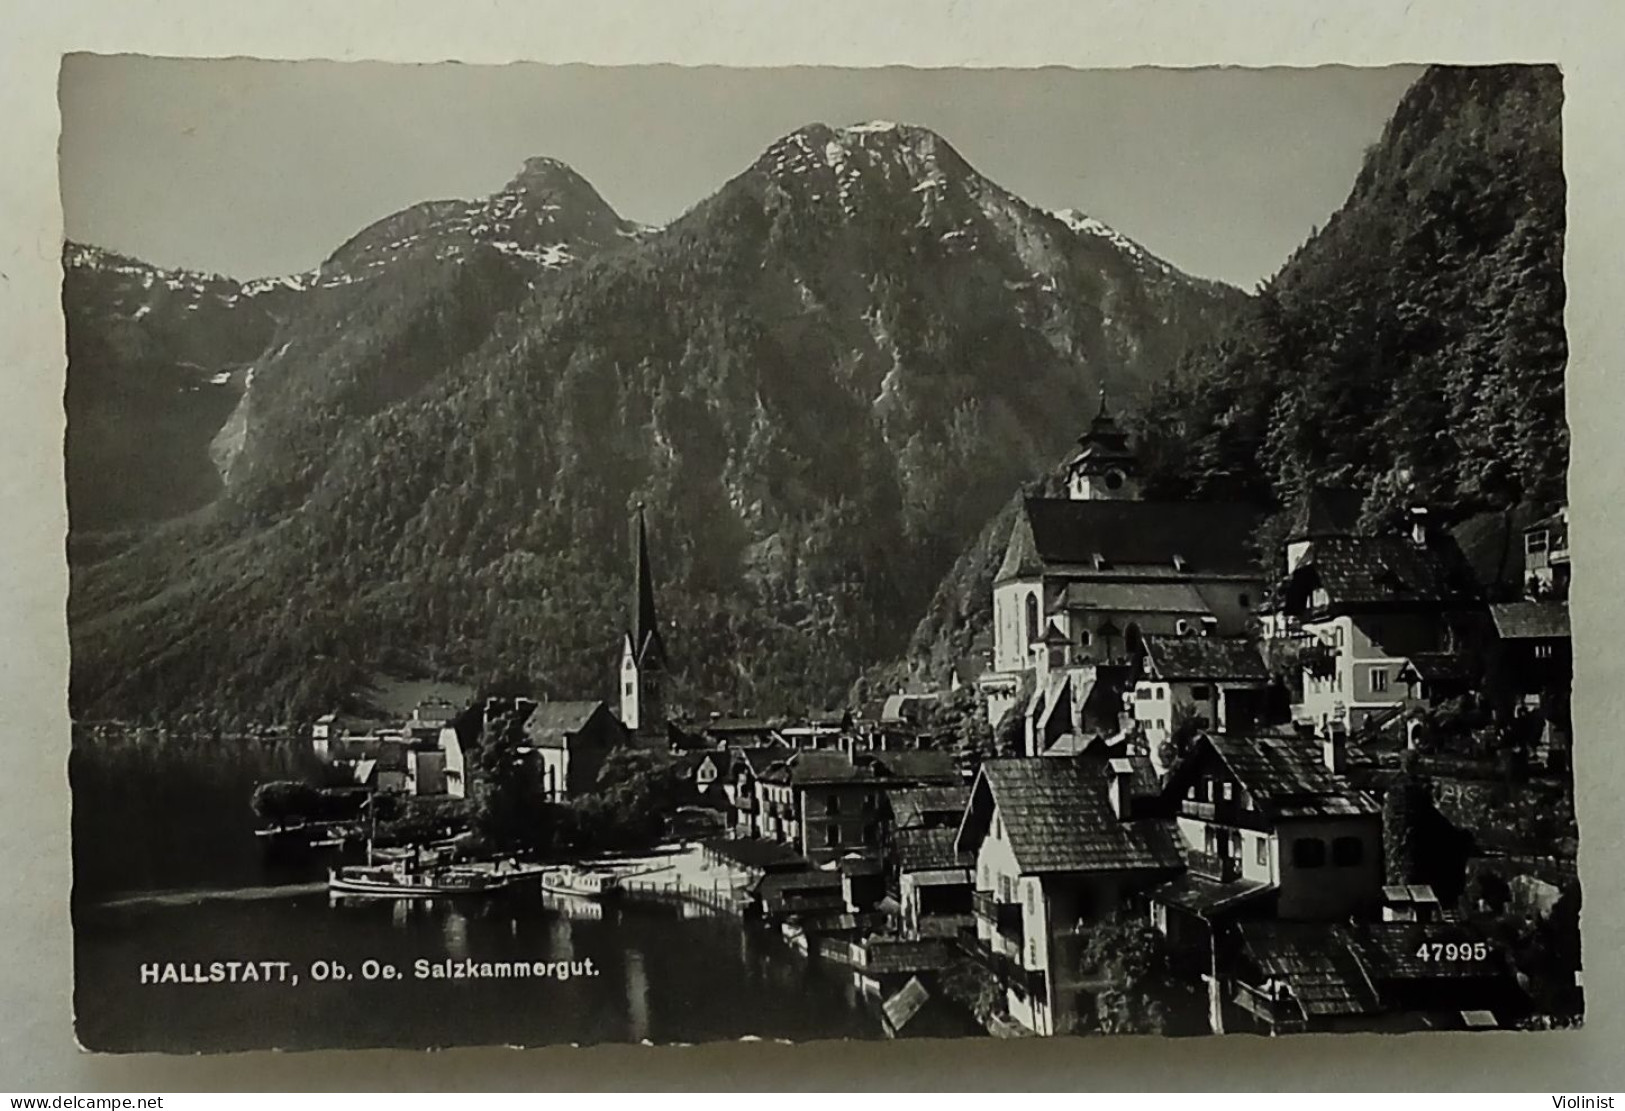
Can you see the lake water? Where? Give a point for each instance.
(659, 972)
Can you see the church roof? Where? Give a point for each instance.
(1113, 536)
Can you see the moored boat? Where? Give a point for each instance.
(401, 881)
(581, 883)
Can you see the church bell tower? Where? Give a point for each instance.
(643, 653)
(1104, 469)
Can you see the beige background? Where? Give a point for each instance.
(37, 1051)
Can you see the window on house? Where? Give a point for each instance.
(1347, 851)
(1032, 618)
(629, 689)
(831, 834)
(1182, 626)
(1534, 542)
(832, 804)
(1543, 651)
(1202, 692)
(1379, 679)
(1229, 791)
(1308, 852)
(1143, 693)
(1083, 638)
(1263, 852)
(1337, 637)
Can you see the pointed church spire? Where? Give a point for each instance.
(644, 622)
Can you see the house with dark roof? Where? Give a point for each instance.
(746, 804)
(1086, 577)
(570, 742)
(1297, 977)
(837, 804)
(1546, 556)
(1270, 826)
(1530, 670)
(1058, 843)
(1211, 683)
(933, 882)
(1360, 607)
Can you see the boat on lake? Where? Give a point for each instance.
(581, 883)
(401, 880)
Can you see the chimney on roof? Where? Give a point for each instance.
(1419, 525)
(1335, 747)
(1118, 787)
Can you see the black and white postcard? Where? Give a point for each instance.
(570, 555)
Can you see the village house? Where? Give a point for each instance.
(1271, 826)
(747, 804)
(1087, 577)
(1199, 684)
(1058, 843)
(1322, 977)
(1546, 556)
(1359, 608)
(926, 873)
(570, 742)
(836, 804)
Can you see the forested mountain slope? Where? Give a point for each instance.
(1412, 349)
(822, 381)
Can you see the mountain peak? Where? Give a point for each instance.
(541, 173)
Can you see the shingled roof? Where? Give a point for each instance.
(1200, 657)
(1372, 571)
(551, 724)
(826, 767)
(1285, 776)
(916, 807)
(1531, 620)
(925, 850)
(1317, 963)
(1058, 818)
(759, 758)
(1209, 537)
(918, 765)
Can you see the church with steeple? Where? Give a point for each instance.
(643, 652)
(1087, 577)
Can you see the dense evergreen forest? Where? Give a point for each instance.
(1412, 350)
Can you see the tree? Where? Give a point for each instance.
(1140, 993)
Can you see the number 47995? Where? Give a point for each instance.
(1454, 951)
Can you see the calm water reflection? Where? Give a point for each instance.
(663, 973)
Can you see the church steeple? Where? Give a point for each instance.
(1104, 468)
(645, 626)
(643, 654)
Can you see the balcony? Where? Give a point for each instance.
(1005, 917)
(1319, 659)
(1215, 867)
